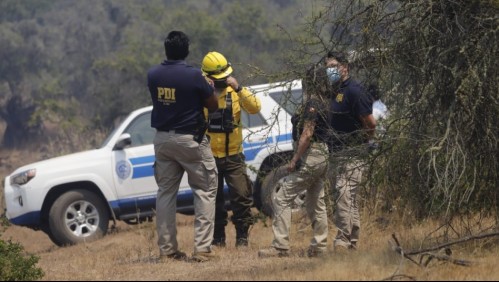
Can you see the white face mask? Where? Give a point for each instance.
(333, 74)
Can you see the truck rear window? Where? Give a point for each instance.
(289, 100)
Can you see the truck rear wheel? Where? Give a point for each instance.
(268, 188)
(78, 216)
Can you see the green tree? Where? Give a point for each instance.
(435, 61)
(13, 10)
(15, 266)
(77, 66)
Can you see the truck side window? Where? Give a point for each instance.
(141, 131)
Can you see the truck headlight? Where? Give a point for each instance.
(23, 177)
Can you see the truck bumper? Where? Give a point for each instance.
(17, 209)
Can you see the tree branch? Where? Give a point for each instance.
(465, 239)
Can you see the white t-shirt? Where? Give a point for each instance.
(380, 111)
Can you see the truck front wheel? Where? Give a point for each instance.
(78, 216)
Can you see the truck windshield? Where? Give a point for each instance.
(108, 137)
(111, 134)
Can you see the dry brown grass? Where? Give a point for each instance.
(129, 252)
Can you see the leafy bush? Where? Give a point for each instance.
(14, 266)
(3, 222)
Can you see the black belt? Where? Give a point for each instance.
(179, 131)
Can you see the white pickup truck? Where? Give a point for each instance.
(72, 198)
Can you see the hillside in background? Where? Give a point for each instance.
(71, 68)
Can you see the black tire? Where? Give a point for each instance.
(268, 188)
(270, 164)
(78, 216)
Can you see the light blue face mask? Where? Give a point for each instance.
(333, 74)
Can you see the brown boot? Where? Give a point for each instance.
(177, 255)
(203, 257)
(273, 252)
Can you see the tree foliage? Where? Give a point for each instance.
(436, 61)
(453, 98)
(79, 66)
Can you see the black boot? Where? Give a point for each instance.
(219, 242)
(242, 236)
(242, 242)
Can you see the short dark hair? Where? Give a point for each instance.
(373, 91)
(315, 82)
(176, 45)
(339, 56)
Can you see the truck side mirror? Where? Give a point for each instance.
(124, 140)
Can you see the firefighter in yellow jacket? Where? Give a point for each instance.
(225, 132)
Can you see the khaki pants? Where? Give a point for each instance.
(346, 176)
(176, 153)
(310, 178)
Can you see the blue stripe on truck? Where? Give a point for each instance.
(142, 166)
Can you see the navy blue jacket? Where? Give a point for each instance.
(347, 106)
(178, 92)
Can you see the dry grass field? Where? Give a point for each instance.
(129, 252)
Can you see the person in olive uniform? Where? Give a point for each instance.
(307, 170)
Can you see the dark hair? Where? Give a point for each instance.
(176, 45)
(373, 91)
(339, 56)
(315, 82)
